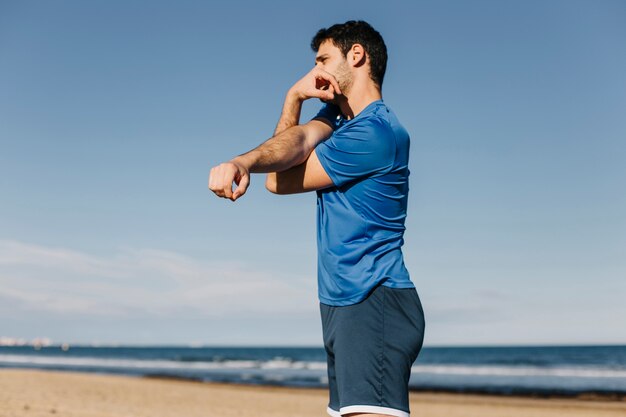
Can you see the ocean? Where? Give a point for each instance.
(528, 370)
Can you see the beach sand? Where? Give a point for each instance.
(35, 393)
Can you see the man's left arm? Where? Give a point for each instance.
(310, 174)
(307, 176)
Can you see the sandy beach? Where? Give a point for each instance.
(45, 393)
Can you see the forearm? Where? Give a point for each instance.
(281, 152)
(287, 147)
(290, 115)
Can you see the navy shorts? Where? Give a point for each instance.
(370, 348)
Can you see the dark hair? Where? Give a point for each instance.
(344, 35)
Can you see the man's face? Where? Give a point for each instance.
(330, 59)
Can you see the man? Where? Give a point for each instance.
(354, 154)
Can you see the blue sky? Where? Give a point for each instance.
(113, 112)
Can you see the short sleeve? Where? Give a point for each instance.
(331, 113)
(361, 149)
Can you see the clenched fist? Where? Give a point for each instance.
(223, 176)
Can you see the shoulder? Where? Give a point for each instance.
(331, 114)
(373, 127)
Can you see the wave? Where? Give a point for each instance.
(281, 363)
(277, 363)
(536, 371)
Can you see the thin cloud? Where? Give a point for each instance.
(144, 281)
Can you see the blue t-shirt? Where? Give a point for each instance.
(360, 220)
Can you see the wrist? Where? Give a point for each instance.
(245, 161)
(294, 96)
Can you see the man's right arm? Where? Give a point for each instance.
(290, 115)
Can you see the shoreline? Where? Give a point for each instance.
(583, 396)
(38, 393)
(616, 396)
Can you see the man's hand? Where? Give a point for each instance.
(316, 84)
(223, 176)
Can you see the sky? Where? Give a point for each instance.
(113, 112)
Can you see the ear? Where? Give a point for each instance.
(356, 55)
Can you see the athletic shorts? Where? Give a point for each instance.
(370, 348)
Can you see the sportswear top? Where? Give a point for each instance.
(360, 220)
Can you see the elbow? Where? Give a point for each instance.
(271, 184)
(276, 186)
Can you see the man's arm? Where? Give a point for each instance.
(303, 177)
(290, 115)
(308, 176)
(279, 153)
(317, 83)
(288, 148)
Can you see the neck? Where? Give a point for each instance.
(358, 98)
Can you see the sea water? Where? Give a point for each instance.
(542, 370)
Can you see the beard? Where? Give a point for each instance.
(345, 80)
(344, 77)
